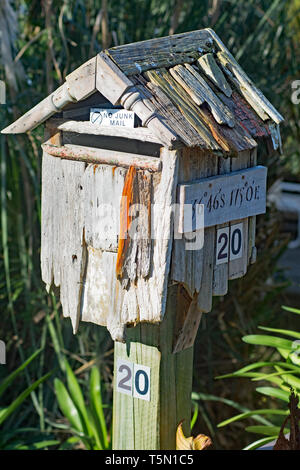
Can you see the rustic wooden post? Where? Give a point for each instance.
(142, 424)
(171, 128)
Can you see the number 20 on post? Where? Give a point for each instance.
(133, 379)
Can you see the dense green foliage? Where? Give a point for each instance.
(42, 41)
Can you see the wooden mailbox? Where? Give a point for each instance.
(150, 189)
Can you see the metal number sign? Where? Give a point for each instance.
(133, 379)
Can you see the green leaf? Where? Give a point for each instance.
(291, 309)
(273, 374)
(97, 406)
(293, 334)
(260, 442)
(265, 340)
(274, 392)
(77, 397)
(17, 402)
(34, 445)
(251, 414)
(195, 415)
(266, 430)
(67, 405)
(8, 380)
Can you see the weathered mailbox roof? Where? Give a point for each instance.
(189, 88)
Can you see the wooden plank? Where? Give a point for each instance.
(227, 197)
(209, 66)
(79, 85)
(172, 116)
(201, 93)
(147, 297)
(204, 300)
(247, 88)
(63, 253)
(184, 103)
(186, 265)
(82, 82)
(151, 425)
(220, 275)
(83, 127)
(98, 156)
(238, 267)
(103, 192)
(216, 136)
(110, 80)
(134, 248)
(167, 51)
(135, 421)
(252, 91)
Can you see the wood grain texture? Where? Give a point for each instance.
(244, 80)
(85, 127)
(63, 251)
(111, 82)
(82, 82)
(110, 157)
(201, 93)
(217, 137)
(138, 424)
(171, 115)
(186, 266)
(184, 103)
(209, 66)
(147, 297)
(247, 89)
(171, 50)
(103, 192)
(204, 300)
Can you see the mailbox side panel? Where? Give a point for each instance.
(63, 249)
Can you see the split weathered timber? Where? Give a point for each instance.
(154, 53)
(171, 115)
(63, 250)
(103, 186)
(108, 157)
(201, 93)
(184, 103)
(85, 127)
(193, 258)
(134, 250)
(209, 66)
(151, 425)
(204, 299)
(101, 301)
(246, 87)
(216, 136)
